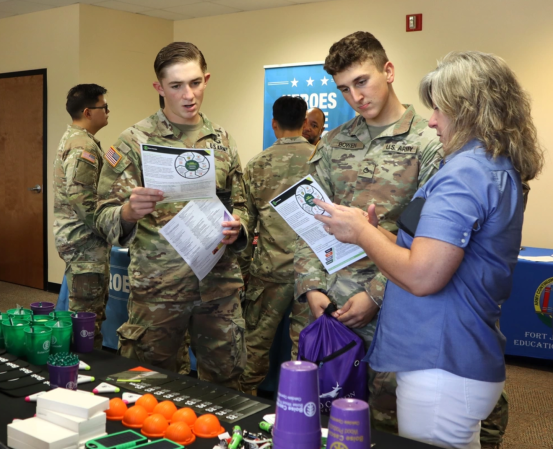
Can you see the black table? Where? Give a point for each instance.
(104, 363)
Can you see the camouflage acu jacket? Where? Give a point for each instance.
(76, 171)
(156, 271)
(357, 170)
(267, 175)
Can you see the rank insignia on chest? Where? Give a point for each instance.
(88, 157)
(113, 157)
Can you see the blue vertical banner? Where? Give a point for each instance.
(313, 84)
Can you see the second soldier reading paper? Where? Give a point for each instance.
(296, 206)
(183, 174)
(196, 234)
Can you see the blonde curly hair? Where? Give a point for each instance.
(484, 100)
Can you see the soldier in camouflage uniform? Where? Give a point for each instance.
(381, 156)
(166, 298)
(76, 171)
(270, 290)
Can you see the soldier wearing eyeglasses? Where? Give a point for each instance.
(76, 171)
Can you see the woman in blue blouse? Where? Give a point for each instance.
(450, 266)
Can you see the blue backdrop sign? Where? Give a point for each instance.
(313, 84)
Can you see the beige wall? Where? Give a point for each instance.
(50, 40)
(86, 44)
(117, 50)
(238, 46)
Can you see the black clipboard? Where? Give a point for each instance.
(409, 219)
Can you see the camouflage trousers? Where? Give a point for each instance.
(88, 285)
(382, 393)
(265, 306)
(155, 334)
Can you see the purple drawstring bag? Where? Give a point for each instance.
(338, 352)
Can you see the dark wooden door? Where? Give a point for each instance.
(22, 178)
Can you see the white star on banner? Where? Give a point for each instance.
(310, 81)
(295, 83)
(324, 81)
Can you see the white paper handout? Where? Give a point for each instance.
(196, 234)
(183, 174)
(297, 208)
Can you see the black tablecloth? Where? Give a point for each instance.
(104, 363)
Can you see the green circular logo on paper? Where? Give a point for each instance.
(192, 165)
(309, 199)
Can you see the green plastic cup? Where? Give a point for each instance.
(61, 335)
(17, 313)
(14, 335)
(38, 340)
(2, 346)
(63, 315)
(41, 319)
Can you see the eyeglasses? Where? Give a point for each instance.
(100, 107)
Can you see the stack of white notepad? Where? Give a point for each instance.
(65, 419)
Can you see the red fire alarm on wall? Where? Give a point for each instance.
(414, 22)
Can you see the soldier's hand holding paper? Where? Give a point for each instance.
(141, 203)
(233, 232)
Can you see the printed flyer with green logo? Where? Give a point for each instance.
(297, 207)
(183, 174)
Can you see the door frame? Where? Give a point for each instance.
(44, 161)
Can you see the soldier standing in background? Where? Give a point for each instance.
(76, 171)
(270, 289)
(166, 297)
(382, 156)
(314, 126)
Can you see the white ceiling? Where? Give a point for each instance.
(165, 9)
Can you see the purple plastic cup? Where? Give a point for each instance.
(63, 376)
(298, 421)
(349, 424)
(42, 308)
(83, 331)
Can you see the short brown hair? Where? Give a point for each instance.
(355, 48)
(178, 52)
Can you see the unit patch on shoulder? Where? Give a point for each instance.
(88, 157)
(113, 157)
(123, 147)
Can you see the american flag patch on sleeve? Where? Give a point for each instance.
(88, 157)
(113, 156)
